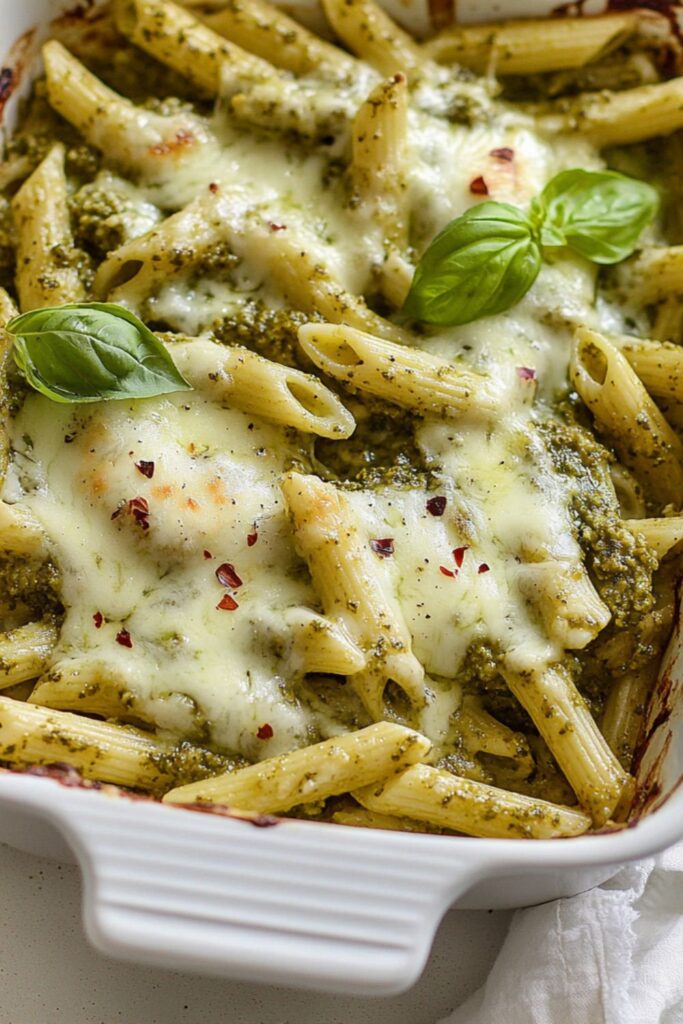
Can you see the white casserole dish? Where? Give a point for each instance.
(310, 904)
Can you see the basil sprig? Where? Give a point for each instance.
(485, 261)
(480, 264)
(92, 351)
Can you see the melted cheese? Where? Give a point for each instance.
(199, 670)
(215, 482)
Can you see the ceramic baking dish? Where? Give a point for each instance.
(301, 903)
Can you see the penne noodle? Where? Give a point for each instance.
(484, 734)
(25, 652)
(562, 717)
(46, 274)
(624, 715)
(311, 774)
(532, 46)
(654, 274)
(312, 111)
(448, 801)
(137, 139)
(175, 37)
(99, 750)
(624, 411)
(620, 118)
(263, 29)
(319, 645)
(407, 376)
(379, 159)
(668, 320)
(565, 598)
(359, 817)
(372, 35)
(257, 385)
(352, 591)
(7, 311)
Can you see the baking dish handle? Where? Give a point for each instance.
(316, 906)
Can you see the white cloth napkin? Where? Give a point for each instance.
(613, 955)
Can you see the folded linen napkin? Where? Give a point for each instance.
(613, 955)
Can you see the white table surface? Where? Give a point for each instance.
(50, 975)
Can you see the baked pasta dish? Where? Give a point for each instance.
(341, 412)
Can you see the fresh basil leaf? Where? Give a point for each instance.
(480, 264)
(92, 351)
(600, 214)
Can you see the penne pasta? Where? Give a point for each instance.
(25, 652)
(448, 801)
(311, 774)
(654, 274)
(263, 29)
(624, 411)
(659, 365)
(99, 750)
(46, 270)
(138, 139)
(484, 734)
(359, 817)
(7, 311)
(20, 534)
(352, 590)
(372, 35)
(620, 118)
(175, 37)
(319, 645)
(668, 320)
(257, 385)
(311, 111)
(566, 600)
(379, 160)
(531, 46)
(624, 715)
(407, 376)
(562, 717)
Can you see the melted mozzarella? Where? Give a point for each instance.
(196, 669)
(215, 482)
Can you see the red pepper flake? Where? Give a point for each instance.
(436, 506)
(227, 603)
(277, 227)
(251, 539)
(98, 619)
(504, 153)
(478, 187)
(226, 575)
(123, 638)
(459, 554)
(213, 187)
(207, 554)
(265, 731)
(138, 508)
(483, 568)
(526, 373)
(383, 547)
(448, 572)
(146, 468)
